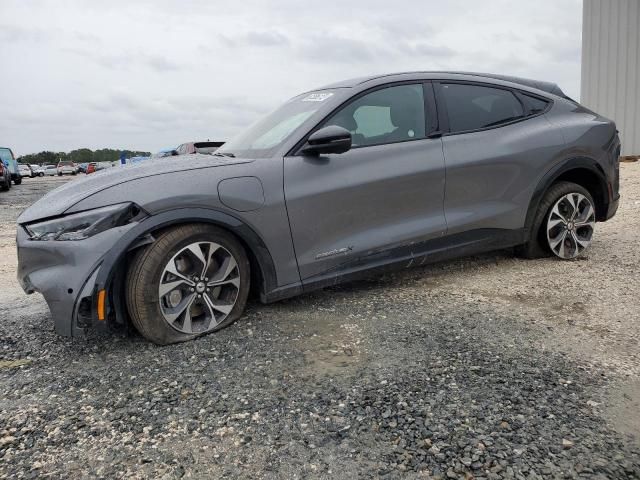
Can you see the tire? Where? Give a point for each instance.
(17, 181)
(6, 185)
(538, 245)
(41, 174)
(59, 174)
(148, 272)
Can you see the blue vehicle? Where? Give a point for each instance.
(9, 160)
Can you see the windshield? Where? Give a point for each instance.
(264, 137)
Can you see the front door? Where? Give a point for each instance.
(386, 192)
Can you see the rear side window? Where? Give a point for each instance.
(471, 107)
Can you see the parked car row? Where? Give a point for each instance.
(12, 171)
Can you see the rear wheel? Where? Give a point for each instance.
(194, 279)
(564, 224)
(18, 181)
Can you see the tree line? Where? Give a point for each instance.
(81, 155)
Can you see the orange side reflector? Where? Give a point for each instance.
(101, 297)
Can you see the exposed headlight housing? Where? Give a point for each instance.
(81, 225)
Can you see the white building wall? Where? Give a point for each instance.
(611, 65)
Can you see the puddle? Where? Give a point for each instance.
(331, 343)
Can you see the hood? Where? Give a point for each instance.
(57, 201)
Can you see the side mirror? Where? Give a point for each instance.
(330, 139)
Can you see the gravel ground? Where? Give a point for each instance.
(485, 367)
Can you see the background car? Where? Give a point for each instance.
(9, 160)
(25, 170)
(37, 170)
(164, 153)
(198, 147)
(66, 167)
(91, 168)
(50, 170)
(5, 177)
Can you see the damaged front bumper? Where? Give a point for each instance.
(65, 273)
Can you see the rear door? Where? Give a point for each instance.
(386, 192)
(496, 147)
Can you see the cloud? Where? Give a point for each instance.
(337, 49)
(127, 60)
(560, 47)
(265, 38)
(431, 50)
(18, 34)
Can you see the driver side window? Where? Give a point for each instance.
(389, 115)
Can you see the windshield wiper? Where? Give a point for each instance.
(224, 154)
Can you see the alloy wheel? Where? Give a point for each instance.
(570, 225)
(199, 287)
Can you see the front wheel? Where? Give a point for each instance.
(18, 181)
(564, 224)
(194, 279)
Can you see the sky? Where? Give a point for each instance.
(151, 74)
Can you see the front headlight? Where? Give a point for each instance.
(79, 226)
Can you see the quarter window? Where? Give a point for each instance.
(388, 115)
(536, 105)
(471, 107)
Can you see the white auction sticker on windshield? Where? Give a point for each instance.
(317, 97)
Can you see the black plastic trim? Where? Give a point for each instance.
(554, 173)
(112, 260)
(406, 256)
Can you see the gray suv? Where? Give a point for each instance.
(373, 173)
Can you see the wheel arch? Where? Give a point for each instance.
(581, 170)
(112, 265)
